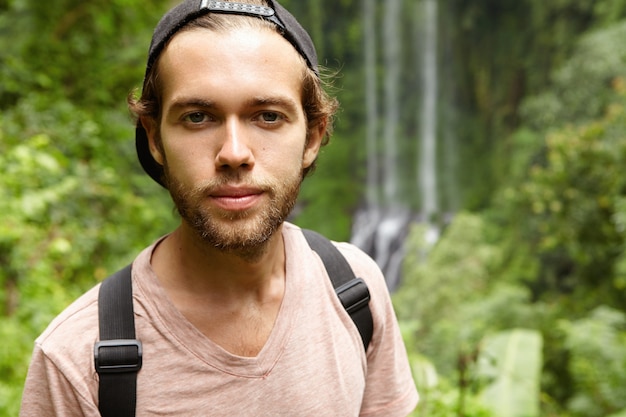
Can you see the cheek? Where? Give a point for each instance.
(289, 159)
(187, 164)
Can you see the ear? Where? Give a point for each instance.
(151, 128)
(314, 143)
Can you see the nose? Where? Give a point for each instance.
(235, 151)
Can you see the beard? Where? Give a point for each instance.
(244, 233)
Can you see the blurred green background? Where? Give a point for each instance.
(518, 309)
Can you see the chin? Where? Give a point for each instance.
(238, 236)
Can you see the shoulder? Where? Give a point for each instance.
(358, 259)
(361, 263)
(62, 363)
(77, 327)
(67, 342)
(390, 389)
(78, 319)
(366, 268)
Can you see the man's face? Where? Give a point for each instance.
(233, 135)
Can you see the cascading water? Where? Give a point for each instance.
(392, 59)
(366, 220)
(428, 120)
(371, 103)
(381, 226)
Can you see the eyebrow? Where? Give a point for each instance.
(259, 101)
(184, 102)
(280, 101)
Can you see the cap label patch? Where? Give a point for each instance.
(237, 8)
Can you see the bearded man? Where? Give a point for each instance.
(234, 312)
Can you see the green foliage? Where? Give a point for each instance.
(68, 221)
(453, 299)
(86, 51)
(322, 194)
(598, 362)
(548, 252)
(569, 207)
(74, 203)
(596, 62)
(444, 400)
(458, 280)
(502, 54)
(438, 396)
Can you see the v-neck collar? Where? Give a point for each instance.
(188, 337)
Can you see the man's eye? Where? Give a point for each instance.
(270, 117)
(196, 117)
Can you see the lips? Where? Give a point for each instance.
(232, 198)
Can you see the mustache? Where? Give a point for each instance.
(210, 185)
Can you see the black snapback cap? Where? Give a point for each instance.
(188, 10)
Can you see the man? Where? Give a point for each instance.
(235, 312)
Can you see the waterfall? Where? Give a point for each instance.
(371, 103)
(381, 225)
(366, 220)
(392, 59)
(428, 118)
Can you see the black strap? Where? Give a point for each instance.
(352, 291)
(118, 354)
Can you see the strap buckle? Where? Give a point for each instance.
(118, 356)
(354, 295)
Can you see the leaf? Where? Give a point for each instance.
(513, 358)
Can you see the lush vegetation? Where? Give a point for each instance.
(544, 258)
(520, 307)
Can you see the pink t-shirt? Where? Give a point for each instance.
(313, 363)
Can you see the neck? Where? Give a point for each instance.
(183, 262)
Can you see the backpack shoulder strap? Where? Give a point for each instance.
(352, 291)
(117, 355)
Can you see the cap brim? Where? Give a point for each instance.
(152, 167)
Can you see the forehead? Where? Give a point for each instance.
(237, 56)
